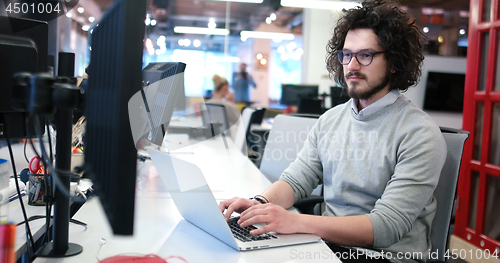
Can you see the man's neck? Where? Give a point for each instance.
(365, 103)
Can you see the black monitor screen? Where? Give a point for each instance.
(444, 92)
(115, 75)
(23, 48)
(291, 94)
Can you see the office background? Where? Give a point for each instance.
(271, 62)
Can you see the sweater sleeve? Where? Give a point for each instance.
(305, 173)
(421, 154)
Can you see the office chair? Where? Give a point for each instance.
(241, 135)
(257, 139)
(446, 189)
(213, 114)
(258, 116)
(285, 140)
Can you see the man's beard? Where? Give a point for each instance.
(365, 94)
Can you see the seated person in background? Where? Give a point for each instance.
(378, 156)
(223, 96)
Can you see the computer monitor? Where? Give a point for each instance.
(115, 75)
(444, 92)
(23, 48)
(291, 94)
(163, 93)
(338, 95)
(168, 74)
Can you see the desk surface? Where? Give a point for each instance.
(159, 228)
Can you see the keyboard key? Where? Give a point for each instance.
(243, 234)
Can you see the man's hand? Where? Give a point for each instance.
(236, 204)
(275, 217)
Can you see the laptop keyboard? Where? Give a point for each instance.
(243, 234)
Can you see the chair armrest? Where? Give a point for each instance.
(306, 205)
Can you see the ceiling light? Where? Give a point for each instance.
(272, 16)
(85, 28)
(266, 35)
(69, 15)
(425, 29)
(80, 9)
(462, 31)
(281, 49)
(201, 30)
(291, 46)
(147, 21)
(196, 43)
(320, 4)
(153, 22)
(211, 23)
(187, 42)
(161, 41)
(180, 42)
(259, 56)
(91, 19)
(299, 51)
(149, 46)
(268, 20)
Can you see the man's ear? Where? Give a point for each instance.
(393, 71)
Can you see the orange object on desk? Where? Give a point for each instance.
(7, 239)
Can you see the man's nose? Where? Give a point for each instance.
(354, 64)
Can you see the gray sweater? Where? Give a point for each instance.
(385, 165)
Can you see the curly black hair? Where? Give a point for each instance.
(401, 39)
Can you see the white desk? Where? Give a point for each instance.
(159, 228)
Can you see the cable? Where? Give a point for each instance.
(53, 172)
(29, 237)
(27, 123)
(150, 258)
(25, 157)
(74, 221)
(48, 207)
(48, 190)
(49, 137)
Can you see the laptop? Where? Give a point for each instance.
(196, 203)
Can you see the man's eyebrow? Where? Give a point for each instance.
(364, 49)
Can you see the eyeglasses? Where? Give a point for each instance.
(363, 57)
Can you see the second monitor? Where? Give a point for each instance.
(291, 94)
(163, 93)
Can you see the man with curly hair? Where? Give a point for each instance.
(378, 156)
